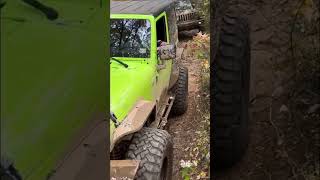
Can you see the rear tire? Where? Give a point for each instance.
(155, 150)
(180, 89)
(231, 79)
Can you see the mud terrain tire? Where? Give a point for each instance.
(230, 84)
(155, 150)
(180, 89)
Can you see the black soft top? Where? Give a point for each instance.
(145, 7)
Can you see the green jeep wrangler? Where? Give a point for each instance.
(146, 85)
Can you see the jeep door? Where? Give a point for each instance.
(164, 66)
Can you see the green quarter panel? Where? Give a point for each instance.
(53, 79)
(141, 80)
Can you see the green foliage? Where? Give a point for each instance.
(305, 43)
(185, 173)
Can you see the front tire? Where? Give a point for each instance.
(155, 150)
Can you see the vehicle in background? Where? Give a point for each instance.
(188, 19)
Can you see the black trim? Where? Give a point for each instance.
(51, 13)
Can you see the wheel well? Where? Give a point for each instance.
(120, 147)
(119, 150)
(135, 120)
(152, 117)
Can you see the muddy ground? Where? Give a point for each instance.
(183, 128)
(284, 140)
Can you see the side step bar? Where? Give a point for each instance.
(167, 110)
(163, 113)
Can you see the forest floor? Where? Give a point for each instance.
(285, 122)
(285, 118)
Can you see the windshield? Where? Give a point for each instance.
(130, 38)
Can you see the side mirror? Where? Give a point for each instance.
(167, 52)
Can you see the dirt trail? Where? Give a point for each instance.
(183, 127)
(277, 149)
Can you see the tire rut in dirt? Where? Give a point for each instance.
(230, 85)
(180, 89)
(154, 148)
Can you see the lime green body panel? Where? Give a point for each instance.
(53, 80)
(141, 80)
(136, 83)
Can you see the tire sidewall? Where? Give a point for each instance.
(142, 140)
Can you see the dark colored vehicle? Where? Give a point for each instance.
(187, 16)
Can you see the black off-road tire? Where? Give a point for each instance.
(230, 84)
(180, 89)
(154, 148)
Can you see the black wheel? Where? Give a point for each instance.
(230, 84)
(155, 150)
(180, 89)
